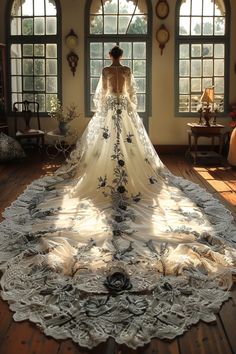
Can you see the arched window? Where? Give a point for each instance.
(34, 36)
(123, 22)
(202, 53)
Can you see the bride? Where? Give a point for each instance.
(113, 244)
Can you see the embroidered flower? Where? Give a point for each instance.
(118, 282)
(129, 138)
(102, 182)
(121, 163)
(152, 180)
(121, 189)
(105, 133)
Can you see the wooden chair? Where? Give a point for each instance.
(26, 135)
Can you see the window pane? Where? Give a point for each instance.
(141, 103)
(51, 25)
(208, 26)
(51, 84)
(51, 9)
(39, 7)
(93, 84)
(39, 50)
(185, 8)
(49, 98)
(110, 24)
(27, 8)
(127, 48)
(16, 66)
(207, 50)
(51, 50)
(39, 67)
(219, 85)
(207, 67)
(51, 67)
(219, 67)
(28, 66)
(27, 83)
(39, 84)
(110, 6)
(138, 25)
(196, 26)
(27, 26)
(16, 26)
(139, 50)
(96, 67)
(184, 26)
(219, 50)
(206, 82)
(197, 7)
(140, 85)
(184, 51)
(184, 68)
(196, 85)
(96, 50)
(208, 8)
(195, 102)
(27, 50)
(196, 50)
(219, 26)
(40, 98)
(139, 68)
(124, 23)
(39, 26)
(196, 68)
(16, 83)
(15, 51)
(183, 86)
(107, 47)
(96, 24)
(184, 103)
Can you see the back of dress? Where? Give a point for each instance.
(116, 79)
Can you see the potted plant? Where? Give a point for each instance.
(63, 116)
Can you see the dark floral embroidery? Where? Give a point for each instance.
(118, 282)
(152, 180)
(105, 133)
(129, 138)
(102, 182)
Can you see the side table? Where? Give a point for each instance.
(59, 144)
(196, 131)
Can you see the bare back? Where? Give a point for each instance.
(116, 79)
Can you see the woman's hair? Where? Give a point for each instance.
(116, 52)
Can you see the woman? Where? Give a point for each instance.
(114, 244)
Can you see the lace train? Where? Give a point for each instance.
(115, 245)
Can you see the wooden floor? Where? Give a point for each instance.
(216, 338)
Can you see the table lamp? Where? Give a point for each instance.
(207, 100)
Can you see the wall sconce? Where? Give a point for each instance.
(72, 57)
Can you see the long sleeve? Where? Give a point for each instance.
(131, 89)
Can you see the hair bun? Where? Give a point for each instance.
(116, 52)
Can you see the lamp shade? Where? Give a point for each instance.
(208, 95)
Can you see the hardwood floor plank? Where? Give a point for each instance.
(156, 346)
(205, 339)
(26, 338)
(69, 347)
(228, 318)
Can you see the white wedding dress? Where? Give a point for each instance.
(114, 244)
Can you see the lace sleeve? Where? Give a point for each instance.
(99, 96)
(131, 89)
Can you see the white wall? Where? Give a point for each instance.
(164, 127)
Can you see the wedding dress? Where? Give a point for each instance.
(113, 244)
